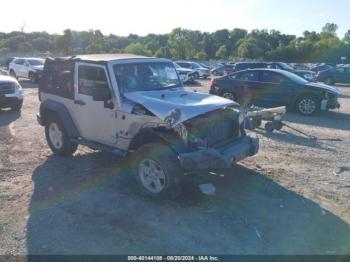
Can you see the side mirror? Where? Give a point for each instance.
(101, 94)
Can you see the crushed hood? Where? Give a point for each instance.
(182, 105)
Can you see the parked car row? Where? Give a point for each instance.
(225, 69)
(200, 71)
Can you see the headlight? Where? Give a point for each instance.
(173, 117)
(181, 130)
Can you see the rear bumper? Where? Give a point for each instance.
(221, 158)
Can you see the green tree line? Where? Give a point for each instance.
(225, 44)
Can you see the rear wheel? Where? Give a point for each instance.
(33, 77)
(307, 105)
(57, 137)
(158, 171)
(13, 74)
(229, 95)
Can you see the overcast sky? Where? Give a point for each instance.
(161, 16)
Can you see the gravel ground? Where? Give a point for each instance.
(291, 198)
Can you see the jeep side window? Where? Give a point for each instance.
(58, 79)
(91, 77)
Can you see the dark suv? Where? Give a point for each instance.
(334, 75)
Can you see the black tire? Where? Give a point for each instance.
(329, 81)
(277, 124)
(269, 127)
(167, 162)
(196, 75)
(33, 77)
(13, 74)
(311, 105)
(17, 106)
(229, 95)
(67, 147)
(256, 122)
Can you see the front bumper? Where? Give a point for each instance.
(329, 104)
(212, 158)
(11, 100)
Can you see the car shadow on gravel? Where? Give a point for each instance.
(88, 204)
(330, 119)
(7, 116)
(288, 137)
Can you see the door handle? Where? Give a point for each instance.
(79, 102)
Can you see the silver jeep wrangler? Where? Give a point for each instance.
(137, 106)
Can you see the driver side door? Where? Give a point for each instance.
(96, 120)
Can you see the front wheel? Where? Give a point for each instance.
(33, 78)
(307, 105)
(196, 75)
(57, 137)
(158, 171)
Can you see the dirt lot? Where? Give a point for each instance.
(286, 200)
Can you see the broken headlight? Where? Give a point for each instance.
(173, 117)
(181, 130)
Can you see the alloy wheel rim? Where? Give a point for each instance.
(307, 106)
(55, 135)
(151, 175)
(228, 96)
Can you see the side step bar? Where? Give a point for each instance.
(98, 146)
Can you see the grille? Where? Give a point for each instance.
(214, 128)
(7, 88)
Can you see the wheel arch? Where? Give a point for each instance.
(307, 93)
(52, 107)
(151, 135)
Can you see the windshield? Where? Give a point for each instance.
(35, 62)
(176, 65)
(295, 78)
(146, 76)
(285, 66)
(195, 65)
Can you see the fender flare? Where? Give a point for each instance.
(148, 135)
(49, 106)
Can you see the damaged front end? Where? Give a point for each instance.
(206, 131)
(215, 140)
